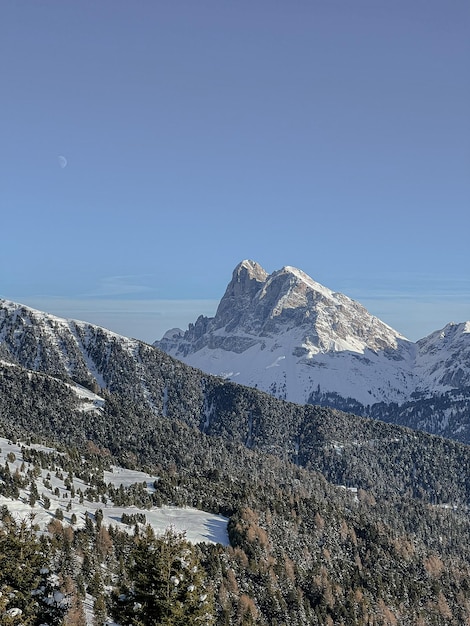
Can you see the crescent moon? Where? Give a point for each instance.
(62, 161)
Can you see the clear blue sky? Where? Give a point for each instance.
(330, 135)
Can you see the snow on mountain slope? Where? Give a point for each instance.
(291, 336)
(46, 343)
(443, 358)
(283, 333)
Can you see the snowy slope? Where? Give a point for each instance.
(43, 342)
(286, 334)
(443, 358)
(199, 526)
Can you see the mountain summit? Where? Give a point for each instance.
(263, 305)
(288, 335)
(257, 305)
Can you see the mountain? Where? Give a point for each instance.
(90, 384)
(288, 335)
(332, 518)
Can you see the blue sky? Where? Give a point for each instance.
(330, 135)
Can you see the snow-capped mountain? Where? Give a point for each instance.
(286, 334)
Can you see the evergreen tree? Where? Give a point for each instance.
(28, 592)
(167, 584)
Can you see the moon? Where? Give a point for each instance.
(62, 161)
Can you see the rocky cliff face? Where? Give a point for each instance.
(287, 334)
(257, 305)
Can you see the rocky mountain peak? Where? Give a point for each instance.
(256, 301)
(251, 270)
(288, 290)
(247, 279)
(257, 305)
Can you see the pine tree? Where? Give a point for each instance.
(33, 493)
(167, 584)
(24, 576)
(99, 610)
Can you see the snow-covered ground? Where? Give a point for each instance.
(199, 526)
(90, 400)
(274, 365)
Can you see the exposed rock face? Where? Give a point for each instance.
(257, 305)
(247, 279)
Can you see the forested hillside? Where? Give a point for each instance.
(197, 411)
(374, 529)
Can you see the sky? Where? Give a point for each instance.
(148, 147)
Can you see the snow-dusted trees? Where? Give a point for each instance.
(29, 593)
(166, 585)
